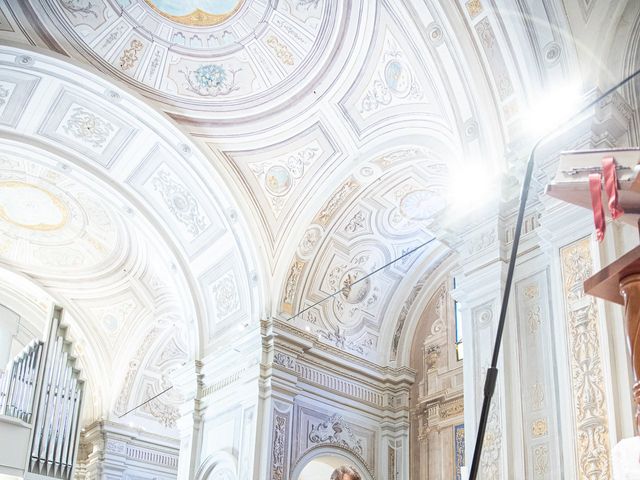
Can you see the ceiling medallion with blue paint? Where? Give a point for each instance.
(196, 13)
(278, 180)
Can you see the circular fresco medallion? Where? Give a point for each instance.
(31, 207)
(196, 13)
(421, 205)
(398, 77)
(351, 291)
(277, 180)
(48, 220)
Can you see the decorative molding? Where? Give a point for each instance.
(402, 317)
(279, 446)
(180, 202)
(495, 59)
(490, 462)
(224, 382)
(291, 285)
(284, 360)
(458, 450)
(336, 201)
(593, 448)
(394, 80)
(336, 431)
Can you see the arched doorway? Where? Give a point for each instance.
(320, 468)
(320, 462)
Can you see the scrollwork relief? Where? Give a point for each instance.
(88, 127)
(284, 360)
(490, 461)
(587, 377)
(279, 446)
(336, 431)
(395, 79)
(180, 202)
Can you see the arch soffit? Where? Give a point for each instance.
(186, 232)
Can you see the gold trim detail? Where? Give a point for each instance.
(41, 227)
(593, 449)
(197, 18)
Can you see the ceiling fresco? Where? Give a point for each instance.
(316, 142)
(196, 13)
(49, 222)
(234, 56)
(106, 207)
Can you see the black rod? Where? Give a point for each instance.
(146, 401)
(391, 262)
(492, 371)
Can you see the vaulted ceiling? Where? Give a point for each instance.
(307, 143)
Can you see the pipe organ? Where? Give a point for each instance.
(16, 397)
(42, 387)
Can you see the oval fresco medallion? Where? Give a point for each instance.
(398, 77)
(278, 180)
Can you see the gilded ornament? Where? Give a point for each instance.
(474, 7)
(585, 359)
(281, 50)
(345, 190)
(539, 427)
(206, 14)
(31, 207)
(130, 55)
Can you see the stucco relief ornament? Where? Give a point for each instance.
(357, 223)
(279, 438)
(88, 127)
(310, 240)
(4, 94)
(342, 342)
(431, 356)
(130, 55)
(490, 460)
(307, 3)
(226, 295)
(395, 80)
(84, 7)
(166, 414)
(181, 203)
(284, 360)
(336, 432)
(211, 80)
(292, 282)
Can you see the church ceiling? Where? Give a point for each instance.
(217, 60)
(106, 206)
(392, 205)
(321, 139)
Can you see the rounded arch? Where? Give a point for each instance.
(131, 151)
(326, 452)
(218, 466)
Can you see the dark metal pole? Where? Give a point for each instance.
(492, 372)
